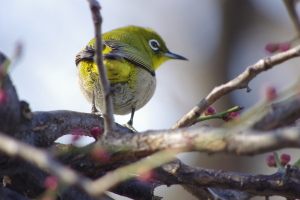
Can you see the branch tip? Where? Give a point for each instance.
(248, 89)
(94, 4)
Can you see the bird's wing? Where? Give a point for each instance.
(120, 49)
(87, 53)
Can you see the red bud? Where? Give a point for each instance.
(284, 46)
(271, 93)
(272, 47)
(233, 116)
(96, 132)
(285, 159)
(51, 183)
(3, 97)
(271, 161)
(210, 111)
(145, 173)
(100, 153)
(147, 176)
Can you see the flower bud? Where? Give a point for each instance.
(271, 93)
(271, 161)
(3, 97)
(51, 183)
(233, 116)
(210, 111)
(284, 46)
(272, 47)
(145, 173)
(285, 159)
(100, 153)
(96, 132)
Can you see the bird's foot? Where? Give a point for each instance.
(95, 110)
(98, 113)
(130, 127)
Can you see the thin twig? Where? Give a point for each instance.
(108, 112)
(139, 168)
(219, 115)
(239, 82)
(290, 6)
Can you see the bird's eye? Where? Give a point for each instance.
(154, 44)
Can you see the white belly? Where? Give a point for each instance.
(137, 94)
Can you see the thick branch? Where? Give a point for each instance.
(46, 127)
(126, 148)
(8, 194)
(280, 114)
(132, 147)
(239, 82)
(281, 183)
(10, 113)
(43, 160)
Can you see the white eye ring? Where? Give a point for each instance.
(154, 44)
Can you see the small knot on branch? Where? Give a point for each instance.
(267, 63)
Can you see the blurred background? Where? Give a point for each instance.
(219, 37)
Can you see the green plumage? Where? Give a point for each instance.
(131, 56)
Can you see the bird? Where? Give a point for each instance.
(131, 56)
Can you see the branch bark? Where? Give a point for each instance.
(130, 148)
(239, 82)
(108, 112)
(290, 7)
(283, 183)
(43, 160)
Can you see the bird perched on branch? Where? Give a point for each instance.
(131, 55)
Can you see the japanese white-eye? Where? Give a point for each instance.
(131, 55)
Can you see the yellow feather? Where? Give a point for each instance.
(131, 60)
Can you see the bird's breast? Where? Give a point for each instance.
(136, 92)
(136, 85)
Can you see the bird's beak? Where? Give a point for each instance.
(174, 56)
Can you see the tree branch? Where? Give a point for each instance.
(283, 183)
(108, 112)
(8, 194)
(239, 82)
(10, 113)
(280, 114)
(43, 160)
(290, 6)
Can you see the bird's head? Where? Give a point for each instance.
(149, 42)
(157, 48)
